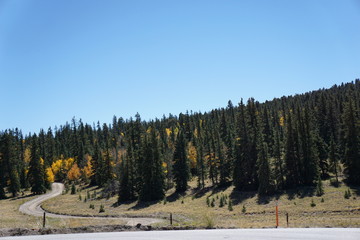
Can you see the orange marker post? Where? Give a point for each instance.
(277, 214)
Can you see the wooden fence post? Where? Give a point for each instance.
(44, 220)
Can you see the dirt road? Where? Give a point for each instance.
(33, 207)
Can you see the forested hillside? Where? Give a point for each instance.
(268, 147)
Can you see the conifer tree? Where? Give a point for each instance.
(334, 160)
(97, 165)
(181, 169)
(263, 172)
(279, 164)
(351, 138)
(241, 165)
(11, 156)
(153, 180)
(291, 155)
(36, 170)
(310, 157)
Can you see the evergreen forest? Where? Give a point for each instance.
(265, 147)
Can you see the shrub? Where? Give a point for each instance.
(334, 183)
(208, 201)
(319, 188)
(92, 206)
(322, 200)
(312, 204)
(213, 202)
(347, 194)
(79, 197)
(102, 209)
(73, 189)
(221, 202)
(209, 222)
(230, 207)
(243, 210)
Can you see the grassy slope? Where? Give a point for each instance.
(192, 210)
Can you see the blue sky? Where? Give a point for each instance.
(95, 59)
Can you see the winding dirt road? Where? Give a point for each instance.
(33, 208)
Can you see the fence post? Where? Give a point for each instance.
(277, 214)
(287, 219)
(171, 220)
(44, 220)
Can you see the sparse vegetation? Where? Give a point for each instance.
(347, 194)
(191, 213)
(230, 207)
(312, 204)
(209, 222)
(243, 210)
(73, 189)
(102, 209)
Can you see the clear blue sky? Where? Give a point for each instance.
(94, 59)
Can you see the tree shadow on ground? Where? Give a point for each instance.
(266, 199)
(237, 197)
(117, 204)
(141, 205)
(200, 192)
(22, 197)
(301, 192)
(220, 188)
(175, 196)
(353, 188)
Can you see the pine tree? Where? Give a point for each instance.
(310, 159)
(279, 164)
(181, 169)
(126, 183)
(11, 156)
(153, 180)
(291, 155)
(263, 172)
(241, 163)
(334, 160)
(352, 155)
(36, 170)
(97, 165)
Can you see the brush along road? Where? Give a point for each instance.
(33, 207)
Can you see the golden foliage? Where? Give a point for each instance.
(50, 175)
(196, 132)
(281, 121)
(27, 155)
(192, 155)
(176, 131)
(87, 171)
(62, 166)
(74, 173)
(149, 130)
(56, 166)
(168, 131)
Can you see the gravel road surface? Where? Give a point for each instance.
(33, 207)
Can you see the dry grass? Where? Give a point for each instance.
(192, 210)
